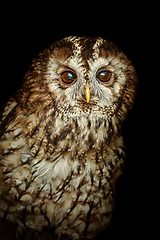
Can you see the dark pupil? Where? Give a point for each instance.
(69, 76)
(104, 75)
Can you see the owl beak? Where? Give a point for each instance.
(87, 93)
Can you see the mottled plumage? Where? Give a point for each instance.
(61, 147)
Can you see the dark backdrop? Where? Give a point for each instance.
(23, 37)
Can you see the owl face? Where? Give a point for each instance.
(87, 74)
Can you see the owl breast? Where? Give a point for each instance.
(66, 172)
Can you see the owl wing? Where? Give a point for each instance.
(24, 132)
(6, 113)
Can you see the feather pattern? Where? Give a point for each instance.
(60, 155)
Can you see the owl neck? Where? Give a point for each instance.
(84, 132)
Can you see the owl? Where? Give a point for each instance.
(61, 145)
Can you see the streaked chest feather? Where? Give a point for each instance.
(63, 171)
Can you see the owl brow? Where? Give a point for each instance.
(77, 48)
(89, 50)
(63, 53)
(96, 48)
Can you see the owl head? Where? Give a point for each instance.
(82, 75)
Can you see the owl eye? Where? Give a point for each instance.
(68, 77)
(104, 75)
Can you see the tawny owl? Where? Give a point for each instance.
(61, 147)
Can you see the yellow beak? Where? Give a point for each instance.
(87, 93)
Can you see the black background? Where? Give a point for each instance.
(25, 33)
